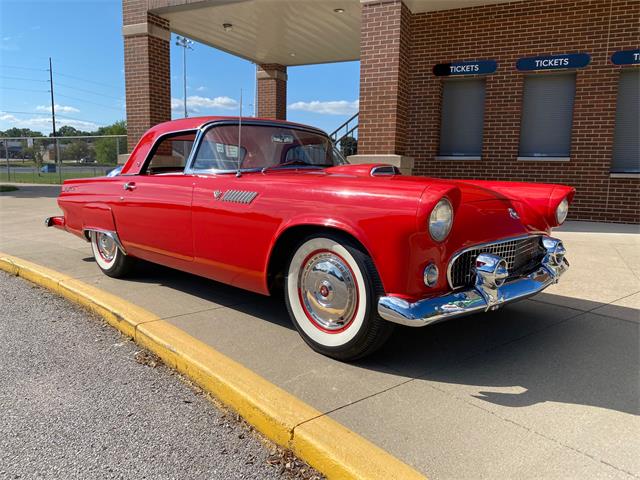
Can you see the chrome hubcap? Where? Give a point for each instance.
(328, 290)
(106, 246)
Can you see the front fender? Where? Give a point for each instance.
(386, 242)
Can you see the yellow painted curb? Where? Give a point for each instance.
(322, 442)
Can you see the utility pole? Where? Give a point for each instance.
(53, 122)
(185, 43)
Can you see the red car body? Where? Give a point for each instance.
(176, 219)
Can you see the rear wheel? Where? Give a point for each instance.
(108, 255)
(332, 290)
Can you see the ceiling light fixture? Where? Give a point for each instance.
(292, 54)
(338, 10)
(227, 27)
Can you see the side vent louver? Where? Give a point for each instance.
(239, 196)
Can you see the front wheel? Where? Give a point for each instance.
(331, 290)
(108, 255)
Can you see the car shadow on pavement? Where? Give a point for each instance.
(537, 350)
(33, 191)
(271, 309)
(526, 354)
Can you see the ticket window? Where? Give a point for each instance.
(547, 116)
(626, 146)
(462, 119)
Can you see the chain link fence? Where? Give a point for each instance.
(54, 159)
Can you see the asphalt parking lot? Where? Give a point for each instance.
(545, 388)
(81, 401)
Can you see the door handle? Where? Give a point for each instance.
(129, 186)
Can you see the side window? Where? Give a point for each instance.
(311, 154)
(626, 146)
(462, 118)
(219, 150)
(170, 154)
(547, 116)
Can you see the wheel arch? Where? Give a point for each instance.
(289, 237)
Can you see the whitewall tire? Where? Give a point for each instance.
(108, 255)
(331, 290)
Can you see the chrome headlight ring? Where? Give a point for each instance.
(562, 210)
(441, 220)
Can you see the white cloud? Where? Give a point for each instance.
(334, 107)
(196, 102)
(201, 88)
(44, 122)
(59, 109)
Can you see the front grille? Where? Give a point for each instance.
(521, 254)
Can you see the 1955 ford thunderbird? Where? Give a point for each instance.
(271, 207)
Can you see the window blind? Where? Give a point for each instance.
(547, 115)
(626, 146)
(462, 117)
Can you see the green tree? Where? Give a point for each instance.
(68, 131)
(20, 132)
(107, 148)
(348, 146)
(76, 150)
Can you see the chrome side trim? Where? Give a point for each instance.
(457, 254)
(488, 293)
(110, 233)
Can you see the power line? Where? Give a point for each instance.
(86, 80)
(90, 102)
(25, 68)
(23, 79)
(92, 92)
(25, 90)
(64, 117)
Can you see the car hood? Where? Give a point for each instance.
(496, 212)
(377, 174)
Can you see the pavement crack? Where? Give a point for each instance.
(531, 430)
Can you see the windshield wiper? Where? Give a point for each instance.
(290, 163)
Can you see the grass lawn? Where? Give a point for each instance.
(7, 188)
(32, 177)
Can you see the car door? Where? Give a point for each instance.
(231, 233)
(231, 229)
(153, 214)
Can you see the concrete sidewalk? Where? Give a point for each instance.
(544, 388)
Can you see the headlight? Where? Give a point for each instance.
(441, 220)
(561, 211)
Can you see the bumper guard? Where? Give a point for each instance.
(490, 292)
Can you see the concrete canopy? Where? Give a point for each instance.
(284, 32)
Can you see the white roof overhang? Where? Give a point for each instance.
(287, 32)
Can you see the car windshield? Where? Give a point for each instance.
(264, 147)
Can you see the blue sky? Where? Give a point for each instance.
(84, 40)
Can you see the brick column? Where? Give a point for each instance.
(146, 66)
(385, 38)
(272, 91)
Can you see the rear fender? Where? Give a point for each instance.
(97, 216)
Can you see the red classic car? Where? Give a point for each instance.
(272, 207)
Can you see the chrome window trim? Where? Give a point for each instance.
(160, 138)
(205, 127)
(462, 251)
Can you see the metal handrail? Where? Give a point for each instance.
(345, 125)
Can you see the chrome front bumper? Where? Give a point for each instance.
(489, 293)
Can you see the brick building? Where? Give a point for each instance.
(529, 90)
